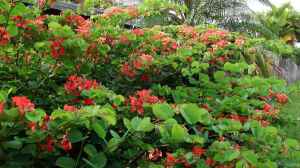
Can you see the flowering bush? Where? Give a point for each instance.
(174, 96)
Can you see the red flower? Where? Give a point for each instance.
(198, 151)
(75, 85)
(138, 32)
(141, 97)
(2, 105)
(170, 160)
(114, 106)
(88, 101)
(127, 70)
(264, 123)
(189, 59)
(23, 104)
(57, 49)
(145, 78)
(70, 108)
(49, 144)
(65, 143)
(209, 161)
(281, 98)
(4, 36)
(32, 126)
(237, 147)
(221, 44)
(206, 107)
(267, 107)
(154, 154)
(146, 59)
(174, 45)
(239, 118)
(239, 41)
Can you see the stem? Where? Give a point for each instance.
(80, 153)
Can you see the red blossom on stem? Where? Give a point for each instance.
(154, 154)
(138, 32)
(65, 143)
(23, 104)
(141, 97)
(32, 126)
(49, 146)
(75, 85)
(57, 49)
(2, 105)
(209, 161)
(170, 160)
(281, 98)
(4, 36)
(198, 151)
(128, 71)
(88, 101)
(70, 108)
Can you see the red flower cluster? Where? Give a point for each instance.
(49, 146)
(141, 97)
(65, 143)
(154, 154)
(21, 22)
(2, 105)
(171, 161)
(142, 61)
(138, 32)
(213, 36)
(127, 70)
(57, 49)
(131, 11)
(23, 104)
(76, 84)
(198, 151)
(239, 118)
(4, 36)
(83, 25)
(70, 108)
(281, 98)
(188, 31)
(239, 41)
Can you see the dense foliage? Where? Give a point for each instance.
(89, 93)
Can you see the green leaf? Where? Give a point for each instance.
(90, 150)
(99, 160)
(19, 10)
(144, 125)
(75, 136)
(2, 19)
(12, 29)
(35, 115)
(193, 114)
(241, 164)
(113, 144)
(4, 6)
(65, 162)
(14, 144)
(108, 115)
(99, 130)
(163, 111)
(178, 133)
(250, 156)
(292, 143)
(231, 155)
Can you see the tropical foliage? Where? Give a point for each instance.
(90, 93)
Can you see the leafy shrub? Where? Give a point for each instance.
(174, 96)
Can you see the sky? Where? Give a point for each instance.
(256, 6)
